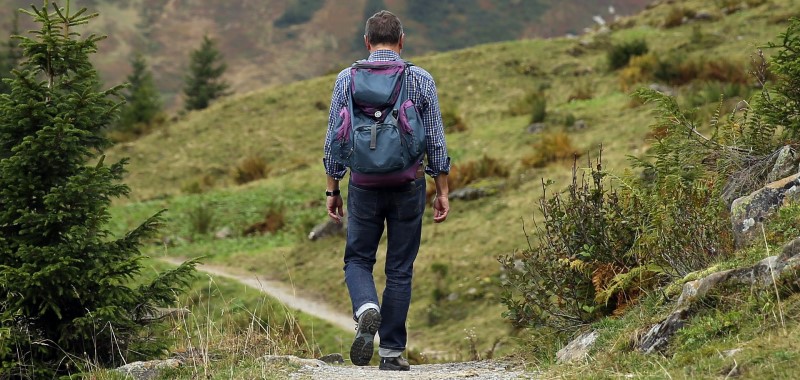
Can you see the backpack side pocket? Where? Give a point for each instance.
(411, 123)
(341, 146)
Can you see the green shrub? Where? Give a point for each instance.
(551, 147)
(619, 55)
(471, 171)
(676, 17)
(534, 104)
(583, 241)
(781, 104)
(453, 122)
(250, 169)
(201, 220)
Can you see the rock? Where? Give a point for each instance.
(328, 228)
(578, 348)
(747, 213)
(579, 124)
(223, 233)
(703, 16)
(536, 128)
(785, 164)
(333, 359)
(148, 370)
(765, 274)
(657, 338)
(664, 89)
(294, 360)
(467, 193)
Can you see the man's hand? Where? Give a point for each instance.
(335, 208)
(441, 207)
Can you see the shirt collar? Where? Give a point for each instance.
(384, 55)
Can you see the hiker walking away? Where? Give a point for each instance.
(384, 118)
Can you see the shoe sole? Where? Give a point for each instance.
(362, 348)
(393, 368)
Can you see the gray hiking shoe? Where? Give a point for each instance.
(361, 350)
(394, 364)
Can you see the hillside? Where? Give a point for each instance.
(187, 166)
(281, 41)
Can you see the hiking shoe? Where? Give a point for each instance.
(361, 350)
(394, 364)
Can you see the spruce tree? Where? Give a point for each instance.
(204, 81)
(143, 102)
(68, 293)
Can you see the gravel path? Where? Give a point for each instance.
(281, 292)
(482, 370)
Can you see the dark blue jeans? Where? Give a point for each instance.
(400, 210)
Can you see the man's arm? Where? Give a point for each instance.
(441, 204)
(335, 170)
(334, 203)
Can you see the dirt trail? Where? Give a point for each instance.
(484, 370)
(280, 291)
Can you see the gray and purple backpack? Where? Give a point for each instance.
(379, 134)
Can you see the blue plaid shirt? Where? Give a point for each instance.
(421, 90)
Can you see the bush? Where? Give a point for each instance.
(640, 69)
(781, 104)
(677, 16)
(534, 104)
(453, 123)
(620, 54)
(201, 220)
(583, 90)
(250, 169)
(551, 147)
(583, 243)
(469, 172)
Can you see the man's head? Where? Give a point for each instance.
(384, 30)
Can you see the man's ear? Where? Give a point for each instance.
(366, 43)
(402, 40)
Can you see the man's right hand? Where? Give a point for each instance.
(335, 207)
(441, 207)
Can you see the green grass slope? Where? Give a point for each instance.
(186, 167)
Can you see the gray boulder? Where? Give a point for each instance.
(536, 128)
(657, 338)
(333, 358)
(748, 213)
(468, 193)
(764, 275)
(785, 164)
(578, 348)
(148, 370)
(292, 360)
(328, 228)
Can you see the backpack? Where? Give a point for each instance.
(379, 134)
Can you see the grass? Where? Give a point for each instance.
(284, 127)
(229, 326)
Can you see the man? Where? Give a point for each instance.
(399, 208)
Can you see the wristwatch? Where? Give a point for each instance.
(332, 193)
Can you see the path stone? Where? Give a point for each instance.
(578, 348)
(148, 370)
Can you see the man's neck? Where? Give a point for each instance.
(394, 48)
